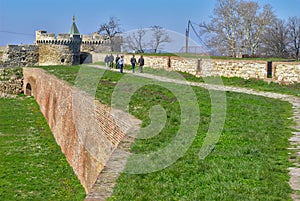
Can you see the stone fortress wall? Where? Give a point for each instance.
(281, 72)
(48, 49)
(20, 55)
(11, 81)
(94, 43)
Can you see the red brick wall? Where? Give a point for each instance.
(85, 129)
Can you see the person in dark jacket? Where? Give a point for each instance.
(111, 60)
(133, 62)
(141, 62)
(117, 61)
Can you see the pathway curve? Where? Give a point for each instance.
(295, 101)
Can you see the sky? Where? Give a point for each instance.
(19, 19)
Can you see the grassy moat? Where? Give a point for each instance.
(249, 162)
(32, 165)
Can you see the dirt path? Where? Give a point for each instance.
(295, 101)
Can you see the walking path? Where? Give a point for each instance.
(294, 140)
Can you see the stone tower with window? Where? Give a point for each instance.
(61, 50)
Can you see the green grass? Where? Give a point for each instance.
(256, 84)
(68, 73)
(32, 165)
(249, 162)
(260, 85)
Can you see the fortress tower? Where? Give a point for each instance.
(61, 50)
(65, 49)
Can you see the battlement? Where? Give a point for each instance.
(42, 37)
(10, 48)
(94, 39)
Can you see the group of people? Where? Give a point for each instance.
(120, 63)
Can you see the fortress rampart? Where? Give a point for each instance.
(87, 131)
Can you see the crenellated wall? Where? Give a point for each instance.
(94, 43)
(48, 49)
(87, 131)
(68, 49)
(281, 72)
(61, 50)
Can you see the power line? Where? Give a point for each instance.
(198, 36)
(16, 33)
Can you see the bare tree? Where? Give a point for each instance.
(160, 36)
(248, 17)
(276, 40)
(135, 41)
(222, 30)
(237, 26)
(294, 36)
(110, 30)
(253, 25)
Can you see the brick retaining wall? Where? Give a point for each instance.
(87, 131)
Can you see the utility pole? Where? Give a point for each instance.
(187, 33)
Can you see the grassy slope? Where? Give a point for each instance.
(32, 165)
(292, 89)
(248, 163)
(260, 85)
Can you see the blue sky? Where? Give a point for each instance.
(20, 18)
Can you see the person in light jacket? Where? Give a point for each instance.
(121, 63)
(106, 60)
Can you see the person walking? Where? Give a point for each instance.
(141, 62)
(133, 62)
(117, 61)
(111, 60)
(121, 63)
(106, 60)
